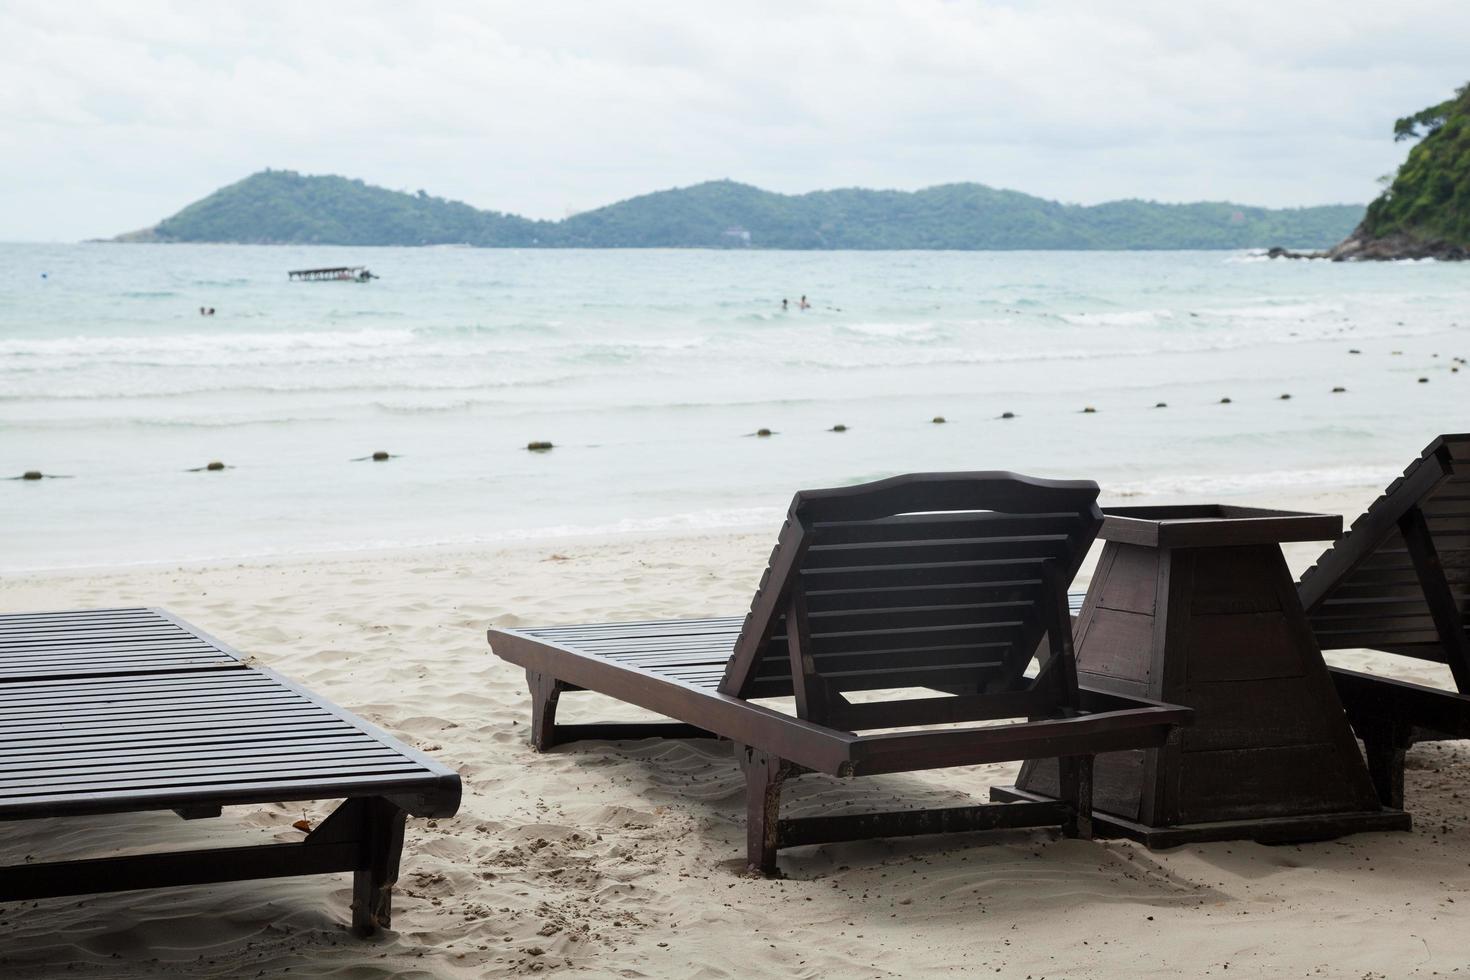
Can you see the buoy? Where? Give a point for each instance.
(1161, 404)
(1225, 401)
(379, 456)
(213, 465)
(939, 420)
(1285, 397)
(1338, 390)
(839, 427)
(762, 432)
(32, 475)
(538, 446)
(1007, 415)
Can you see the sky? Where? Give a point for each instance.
(115, 115)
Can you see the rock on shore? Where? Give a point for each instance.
(1360, 247)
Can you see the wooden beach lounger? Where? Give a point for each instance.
(930, 593)
(122, 710)
(1398, 580)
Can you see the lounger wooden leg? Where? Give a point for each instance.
(544, 693)
(764, 775)
(377, 871)
(1076, 791)
(1385, 747)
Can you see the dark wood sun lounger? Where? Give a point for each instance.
(122, 710)
(1398, 580)
(930, 593)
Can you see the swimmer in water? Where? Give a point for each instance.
(804, 304)
(784, 305)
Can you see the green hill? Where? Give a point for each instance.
(280, 206)
(1426, 209)
(276, 207)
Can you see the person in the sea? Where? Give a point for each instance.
(804, 304)
(784, 305)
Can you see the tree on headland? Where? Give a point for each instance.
(1432, 118)
(1425, 210)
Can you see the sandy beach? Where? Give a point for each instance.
(625, 859)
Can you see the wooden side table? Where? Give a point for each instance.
(1194, 605)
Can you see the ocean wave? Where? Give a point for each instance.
(201, 343)
(1275, 311)
(919, 330)
(1128, 318)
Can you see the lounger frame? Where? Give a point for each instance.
(1398, 580)
(125, 710)
(708, 675)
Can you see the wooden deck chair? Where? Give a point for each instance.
(1398, 580)
(106, 711)
(914, 601)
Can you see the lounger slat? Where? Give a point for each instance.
(124, 708)
(288, 711)
(657, 662)
(91, 655)
(859, 619)
(9, 627)
(1371, 639)
(81, 633)
(241, 735)
(146, 634)
(900, 640)
(81, 781)
(921, 574)
(186, 750)
(1374, 621)
(106, 730)
(171, 694)
(260, 759)
(846, 556)
(112, 711)
(833, 600)
(709, 641)
(922, 526)
(640, 628)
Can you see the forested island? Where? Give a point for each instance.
(1424, 211)
(285, 207)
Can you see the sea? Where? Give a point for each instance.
(651, 373)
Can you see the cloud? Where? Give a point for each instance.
(115, 115)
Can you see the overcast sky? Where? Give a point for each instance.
(114, 115)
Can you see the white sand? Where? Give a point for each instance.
(623, 860)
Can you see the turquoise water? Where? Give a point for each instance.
(650, 370)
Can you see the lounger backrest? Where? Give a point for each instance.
(941, 581)
(1399, 578)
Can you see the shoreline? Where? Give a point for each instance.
(1337, 499)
